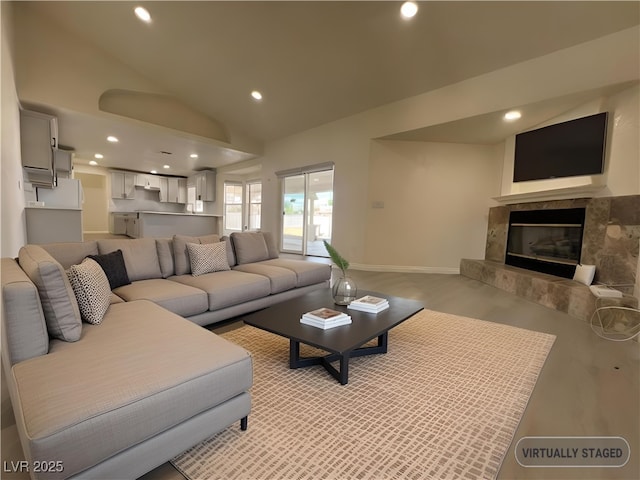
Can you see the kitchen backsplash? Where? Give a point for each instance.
(148, 200)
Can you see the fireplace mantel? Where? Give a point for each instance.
(583, 191)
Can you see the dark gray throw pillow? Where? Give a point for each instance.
(114, 268)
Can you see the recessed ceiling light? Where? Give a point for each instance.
(143, 14)
(93, 163)
(166, 166)
(256, 95)
(98, 155)
(409, 9)
(153, 171)
(194, 155)
(112, 139)
(512, 115)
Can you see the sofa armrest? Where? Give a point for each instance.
(24, 329)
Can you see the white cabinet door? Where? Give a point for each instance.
(38, 140)
(182, 190)
(123, 185)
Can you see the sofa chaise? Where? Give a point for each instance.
(119, 396)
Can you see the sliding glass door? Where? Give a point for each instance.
(307, 212)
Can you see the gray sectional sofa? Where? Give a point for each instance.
(117, 398)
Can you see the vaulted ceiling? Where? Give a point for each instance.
(315, 62)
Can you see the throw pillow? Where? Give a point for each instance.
(59, 303)
(207, 257)
(584, 274)
(92, 290)
(114, 268)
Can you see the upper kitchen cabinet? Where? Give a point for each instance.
(123, 185)
(173, 190)
(148, 182)
(38, 142)
(205, 185)
(63, 163)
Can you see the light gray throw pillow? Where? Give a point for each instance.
(59, 304)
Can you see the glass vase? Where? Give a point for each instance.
(344, 291)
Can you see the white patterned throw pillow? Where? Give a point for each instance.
(207, 257)
(92, 290)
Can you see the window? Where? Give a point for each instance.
(254, 200)
(233, 206)
(242, 206)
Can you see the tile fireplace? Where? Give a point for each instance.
(547, 241)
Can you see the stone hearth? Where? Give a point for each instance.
(610, 242)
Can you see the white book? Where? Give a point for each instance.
(326, 325)
(364, 308)
(370, 301)
(325, 315)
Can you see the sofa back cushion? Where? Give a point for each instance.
(231, 256)
(71, 253)
(181, 254)
(249, 247)
(272, 248)
(59, 303)
(24, 331)
(140, 256)
(164, 246)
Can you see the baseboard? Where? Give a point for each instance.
(96, 232)
(404, 269)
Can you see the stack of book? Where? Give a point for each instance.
(325, 318)
(370, 304)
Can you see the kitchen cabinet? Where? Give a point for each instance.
(125, 224)
(63, 164)
(38, 142)
(205, 185)
(148, 182)
(123, 185)
(173, 190)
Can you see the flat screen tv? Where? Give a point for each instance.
(566, 149)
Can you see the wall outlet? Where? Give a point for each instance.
(377, 204)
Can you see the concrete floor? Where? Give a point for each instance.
(588, 387)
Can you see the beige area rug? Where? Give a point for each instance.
(444, 402)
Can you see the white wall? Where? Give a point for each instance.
(622, 167)
(347, 142)
(436, 202)
(12, 231)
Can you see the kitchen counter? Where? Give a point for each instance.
(51, 224)
(164, 224)
(147, 212)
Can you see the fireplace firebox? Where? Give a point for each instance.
(547, 241)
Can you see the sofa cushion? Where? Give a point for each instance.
(23, 327)
(180, 299)
(180, 253)
(231, 256)
(207, 258)
(272, 247)
(249, 247)
(92, 290)
(59, 303)
(225, 289)
(307, 273)
(71, 253)
(114, 268)
(282, 279)
(164, 246)
(154, 370)
(140, 256)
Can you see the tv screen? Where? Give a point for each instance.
(565, 149)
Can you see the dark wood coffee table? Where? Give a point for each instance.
(343, 342)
